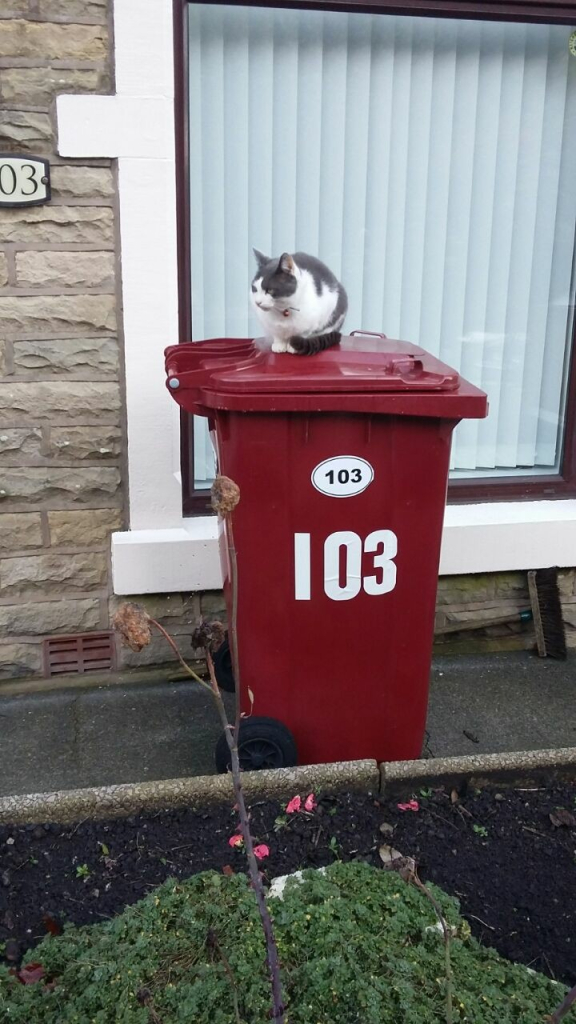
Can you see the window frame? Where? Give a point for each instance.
(563, 12)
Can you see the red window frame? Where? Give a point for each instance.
(561, 485)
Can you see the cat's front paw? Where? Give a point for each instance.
(279, 346)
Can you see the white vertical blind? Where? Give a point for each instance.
(431, 163)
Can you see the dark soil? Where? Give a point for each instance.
(511, 866)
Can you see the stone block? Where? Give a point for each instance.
(59, 401)
(158, 606)
(569, 615)
(42, 484)
(511, 584)
(39, 618)
(65, 269)
(17, 443)
(83, 529)
(212, 604)
(25, 130)
(77, 443)
(37, 87)
(15, 8)
(21, 39)
(52, 573)
(566, 583)
(93, 225)
(82, 182)
(466, 589)
(68, 355)
(3, 270)
(20, 659)
(178, 613)
(85, 10)
(20, 530)
(52, 313)
(158, 652)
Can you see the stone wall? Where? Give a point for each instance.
(60, 366)
(476, 599)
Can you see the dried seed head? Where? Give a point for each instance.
(225, 495)
(209, 635)
(133, 625)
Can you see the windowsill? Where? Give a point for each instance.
(477, 538)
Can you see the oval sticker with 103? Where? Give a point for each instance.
(342, 476)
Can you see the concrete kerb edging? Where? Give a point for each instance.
(66, 806)
(518, 766)
(117, 801)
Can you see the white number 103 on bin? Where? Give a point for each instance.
(343, 556)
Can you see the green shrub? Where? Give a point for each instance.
(353, 944)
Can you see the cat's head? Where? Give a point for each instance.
(275, 281)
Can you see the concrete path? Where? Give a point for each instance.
(494, 703)
(76, 736)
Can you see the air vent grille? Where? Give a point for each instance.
(82, 652)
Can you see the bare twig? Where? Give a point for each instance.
(134, 625)
(271, 948)
(144, 997)
(213, 940)
(565, 1006)
(483, 923)
(447, 942)
(185, 665)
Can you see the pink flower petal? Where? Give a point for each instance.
(412, 805)
(261, 851)
(293, 805)
(310, 803)
(236, 841)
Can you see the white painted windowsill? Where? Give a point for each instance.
(477, 538)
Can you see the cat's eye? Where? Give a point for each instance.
(253, 287)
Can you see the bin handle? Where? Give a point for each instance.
(372, 334)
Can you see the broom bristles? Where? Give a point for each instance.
(547, 613)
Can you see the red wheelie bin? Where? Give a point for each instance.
(342, 463)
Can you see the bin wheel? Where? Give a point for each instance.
(262, 743)
(222, 659)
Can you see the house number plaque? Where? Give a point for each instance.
(24, 180)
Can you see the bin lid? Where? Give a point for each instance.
(364, 373)
(359, 363)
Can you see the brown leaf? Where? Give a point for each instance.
(51, 925)
(406, 868)
(228, 870)
(388, 854)
(454, 796)
(561, 817)
(30, 974)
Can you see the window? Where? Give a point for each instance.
(431, 163)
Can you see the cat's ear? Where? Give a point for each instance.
(261, 259)
(286, 263)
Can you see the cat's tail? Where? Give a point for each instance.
(311, 346)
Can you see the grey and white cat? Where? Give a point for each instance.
(299, 302)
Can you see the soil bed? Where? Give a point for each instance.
(512, 865)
